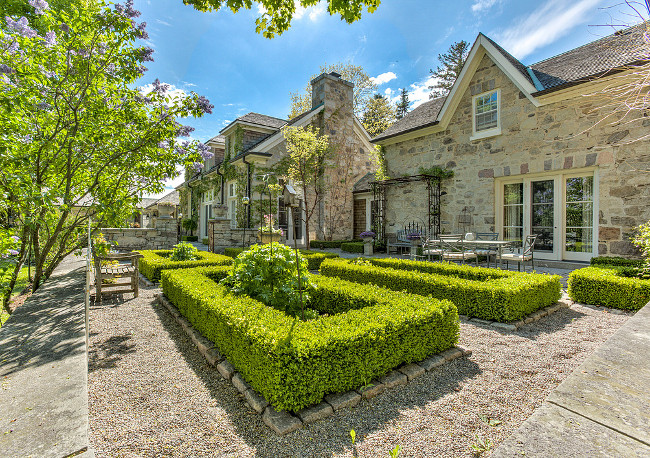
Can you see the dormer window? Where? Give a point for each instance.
(485, 117)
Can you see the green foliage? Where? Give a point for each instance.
(642, 234)
(269, 273)
(190, 224)
(314, 258)
(380, 114)
(606, 287)
(102, 247)
(154, 262)
(451, 65)
(489, 294)
(328, 243)
(352, 247)
(436, 171)
(183, 252)
(294, 364)
(189, 238)
(403, 104)
(482, 445)
(615, 261)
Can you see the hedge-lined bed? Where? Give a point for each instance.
(368, 332)
(604, 286)
(314, 258)
(352, 247)
(489, 294)
(155, 261)
(330, 243)
(615, 261)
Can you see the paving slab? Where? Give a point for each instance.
(315, 413)
(280, 422)
(44, 368)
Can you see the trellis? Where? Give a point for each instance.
(379, 202)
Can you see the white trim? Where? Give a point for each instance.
(277, 137)
(487, 132)
(363, 134)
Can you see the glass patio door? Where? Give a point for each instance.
(579, 218)
(543, 216)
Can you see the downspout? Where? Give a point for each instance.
(248, 190)
(223, 185)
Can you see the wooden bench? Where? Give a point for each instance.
(126, 268)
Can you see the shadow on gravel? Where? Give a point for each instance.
(331, 435)
(106, 354)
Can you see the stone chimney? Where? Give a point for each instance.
(330, 89)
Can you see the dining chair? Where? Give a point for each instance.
(431, 248)
(526, 255)
(454, 249)
(490, 250)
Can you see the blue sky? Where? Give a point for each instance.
(219, 55)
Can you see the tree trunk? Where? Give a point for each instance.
(14, 276)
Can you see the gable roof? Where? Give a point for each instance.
(573, 67)
(363, 185)
(171, 198)
(259, 120)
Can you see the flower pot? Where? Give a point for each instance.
(367, 247)
(266, 237)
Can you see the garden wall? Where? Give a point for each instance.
(163, 236)
(221, 235)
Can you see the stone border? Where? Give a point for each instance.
(144, 281)
(282, 422)
(565, 302)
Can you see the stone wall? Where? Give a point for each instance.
(221, 235)
(162, 237)
(554, 138)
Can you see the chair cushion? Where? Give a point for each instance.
(515, 257)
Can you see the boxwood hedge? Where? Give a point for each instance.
(314, 258)
(488, 294)
(154, 261)
(615, 261)
(603, 286)
(352, 247)
(367, 332)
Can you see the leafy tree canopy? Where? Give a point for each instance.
(78, 140)
(278, 14)
(451, 64)
(403, 104)
(380, 114)
(362, 92)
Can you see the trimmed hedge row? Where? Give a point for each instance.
(293, 364)
(352, 247)
(314, 258)
(615, 261)
(155, 261)
(442, 268)
(602, 286)
(330, 243)
(189, 238)
(507, 296)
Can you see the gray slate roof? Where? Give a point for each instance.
(576, 66)
(145, 202)
(363, 185)
(172, 198)
(260, 120)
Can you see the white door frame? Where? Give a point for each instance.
(559, 218)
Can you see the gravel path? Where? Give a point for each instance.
(152, 393)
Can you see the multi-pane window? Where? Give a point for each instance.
(513, 211)
(486, 111)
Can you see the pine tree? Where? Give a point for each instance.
(379, 115)
(403, 104)
(451, 65)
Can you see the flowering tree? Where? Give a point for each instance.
(78, 140)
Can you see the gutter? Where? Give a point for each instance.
(412, 129)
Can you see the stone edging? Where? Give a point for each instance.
(514, 325)
(282, 422)
(146, 282)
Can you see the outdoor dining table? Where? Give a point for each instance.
(485, 244)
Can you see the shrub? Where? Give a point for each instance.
(329, 243)
(352, 247)
(314, 258)
(189, 238)
(603, 286)
(183, 252)
(294, 364)
(269, 274)
(615, 261)
(488, 294)
(154, 261)
(205, 241)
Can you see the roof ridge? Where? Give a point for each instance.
(591, 43)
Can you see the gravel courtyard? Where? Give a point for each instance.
(152, 394)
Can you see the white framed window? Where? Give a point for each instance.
(486, 116)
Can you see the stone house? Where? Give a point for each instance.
(532, 151)
(253, 145)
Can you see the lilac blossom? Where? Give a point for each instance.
(27, 138)
(197, 166)
(146, 54)
(5, 79)
(204, 151)
(142, 33)
(15, 238)
(13, 47)
(43, 106)
(21, 27)
(4, 68)
(13, 252)
(160, 87)
(65, 27)
(39, 5)
(127, 9)
(101, 48)
(163, 144)
(180, 151)
(204, 105)
(184, 131)
(50, 39)
(141, 69)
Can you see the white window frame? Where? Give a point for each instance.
(487, 132)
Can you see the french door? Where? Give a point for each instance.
(560, 209)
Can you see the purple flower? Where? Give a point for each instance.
(184, 131)
(180, 151)
(142, 33)
(414, 236)
(65, 27)
(44, 106)
(159, 87)
(205, 152)
(21, 27)
(5, 79)
(127, 9)
(50, 39)
(197, 166)
(27, 139)
(141, 69)
(163, 144)
(146, 54)
(13, 47)
(39, 5)
(367, 234)
(13, 252)
(204, 105)
(15, 238)
(4, 68)
(101, 48)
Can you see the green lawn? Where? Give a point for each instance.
(21, 282)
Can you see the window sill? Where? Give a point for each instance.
(485, 134)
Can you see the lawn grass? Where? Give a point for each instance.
(21, 282)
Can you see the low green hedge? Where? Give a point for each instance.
(314, 258)
(615, 261)
(488, 294)
(189, 238)
(368, 332)
(602, 286)
(155, 261)
(352, 247)
(330, 243)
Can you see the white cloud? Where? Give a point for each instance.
(545, 25)
(316, 11)
(419, 91)
(388, 92)
(173, 91)
(161, 22)
(483, 5)
(383, 78)
(312, 12)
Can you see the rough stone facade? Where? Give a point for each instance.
(162, 237)
(557, 137)
(221, 235)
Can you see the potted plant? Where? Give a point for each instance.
(268, 233)
(368, 238)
